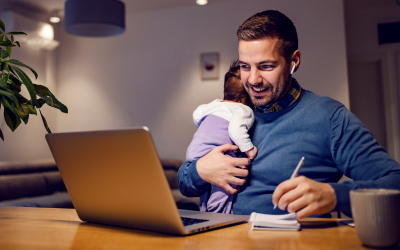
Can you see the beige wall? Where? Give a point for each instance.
(149, 76)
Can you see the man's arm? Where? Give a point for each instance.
(357, 155)
(214, 168)
(307, 197)
(189, 182)
(342, 190)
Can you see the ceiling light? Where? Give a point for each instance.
(201, 2)
(94, 18)
(55, 16)
(54, 19)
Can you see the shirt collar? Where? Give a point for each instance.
(291, 97)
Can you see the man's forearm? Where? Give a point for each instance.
(189, 182)
(342, 190)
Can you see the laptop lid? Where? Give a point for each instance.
(115, 178)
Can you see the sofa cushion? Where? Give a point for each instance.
(172, 177)
(171, 164)
(54, 182)
(171, 167)
(56, 200)
(27, 185)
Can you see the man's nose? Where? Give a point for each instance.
(255, 77)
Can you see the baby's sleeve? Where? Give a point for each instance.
(198, 114)
(241, 122)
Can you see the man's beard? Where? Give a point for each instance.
(275, 94)
(262, 101)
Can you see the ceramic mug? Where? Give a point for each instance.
(376, 214)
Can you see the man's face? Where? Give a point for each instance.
(264, 71)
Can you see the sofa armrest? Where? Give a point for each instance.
(24, 167)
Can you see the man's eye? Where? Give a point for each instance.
(244, 67)
(266, 66)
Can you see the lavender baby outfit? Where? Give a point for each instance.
(219, 123)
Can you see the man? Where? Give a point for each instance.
(290, 122)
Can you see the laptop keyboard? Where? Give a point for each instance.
(190, 221)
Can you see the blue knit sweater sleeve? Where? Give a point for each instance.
(358, 156)
(189, 181)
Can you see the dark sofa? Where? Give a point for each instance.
(38, 183)
(35, 183)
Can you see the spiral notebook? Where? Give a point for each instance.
(260, 221)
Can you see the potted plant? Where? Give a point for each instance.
(16, 107)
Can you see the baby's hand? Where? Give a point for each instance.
(251, 154)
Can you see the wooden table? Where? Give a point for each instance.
(51, 228)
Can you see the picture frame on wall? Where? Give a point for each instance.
(209, 66)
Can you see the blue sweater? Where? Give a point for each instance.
(332, 140)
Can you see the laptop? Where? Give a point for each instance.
(115, 178)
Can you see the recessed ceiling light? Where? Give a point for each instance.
(201, 2)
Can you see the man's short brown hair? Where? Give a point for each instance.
(271, 24)
(233, 86)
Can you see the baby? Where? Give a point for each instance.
(220, 122)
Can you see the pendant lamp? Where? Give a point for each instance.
(95, 18)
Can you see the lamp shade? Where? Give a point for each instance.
(95, 18)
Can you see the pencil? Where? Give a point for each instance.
(296, 171)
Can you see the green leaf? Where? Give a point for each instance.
(10, 114)
(15, 79)
(16, 62)
(9, 117)
(42, 102)
(28, 83)
(1, 135)
(4, 66)
(1, 37)
(32, 110)
(23, 112)
(8, 48)
(2, 26)
(13, 86)
(18, 43)
(12, 38)
(58, 104)
(51, 100)
(8, 93)
(16, 33)
(40, 89)
(3, 54)
(45, 123)
(21, 98)
(5, 43)
(45, 99)
(3, 82)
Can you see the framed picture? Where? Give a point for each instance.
(209, 63)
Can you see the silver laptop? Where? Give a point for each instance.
(116, 178)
